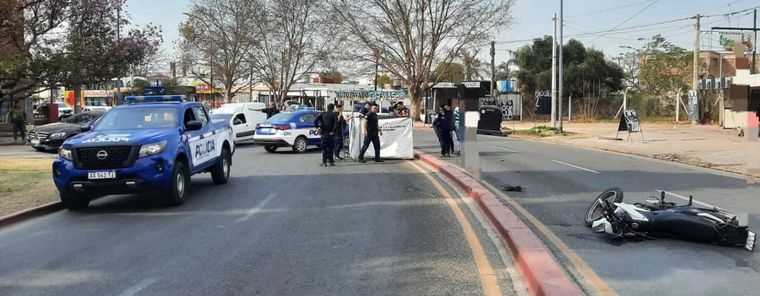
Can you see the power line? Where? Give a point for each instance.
(609, 9)
(626, 20)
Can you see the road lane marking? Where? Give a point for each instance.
(487, 276)
(138, 287)
(257, 208)
(505, 149)
(580, 265)
(575, 166)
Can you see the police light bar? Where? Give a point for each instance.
(143, 99)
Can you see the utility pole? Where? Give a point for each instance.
(377, 64)
(118, 31)
(560, 81)
(695, 68)
(493, 69)
(554, 73)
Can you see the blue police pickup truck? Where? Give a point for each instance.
(151, 144)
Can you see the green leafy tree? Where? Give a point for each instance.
(383, 80)
(451, 72)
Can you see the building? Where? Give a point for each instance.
(724, 63)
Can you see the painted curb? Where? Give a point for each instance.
(540, 271)
(30, 213)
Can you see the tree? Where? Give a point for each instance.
(472, 66)
(383, 80)
(293, 36)
(330, 77)
(664, 67)
(411, 37)
(451, 72)
(218, 33)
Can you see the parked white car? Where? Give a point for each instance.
(242, 117)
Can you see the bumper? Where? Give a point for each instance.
(46, 144)
(272, 140)
(148, 174)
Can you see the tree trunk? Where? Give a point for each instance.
(77, 98)
(415, 97)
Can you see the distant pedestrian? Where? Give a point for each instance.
(339, 128)
(326, 124)
(365, 109)
(271, 111)
(401, 110)
(18, 120)
(443, 126)
(372, 134)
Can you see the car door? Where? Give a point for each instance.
(201, 143)
(242, 127)
(306, 124)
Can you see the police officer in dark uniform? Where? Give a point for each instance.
(339, 128)
(271, 111)
(326, 123)
(372, 134)
(443, 125)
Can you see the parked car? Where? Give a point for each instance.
(288, 129)
(51, 136)
(242, 117)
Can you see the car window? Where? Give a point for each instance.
(189, 116)
(138, 118)
(240, 119)
(308, 118)
(200, 114)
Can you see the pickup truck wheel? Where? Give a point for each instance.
(74, 203)
(175, 193)
(270, 149)
(220, 174)
(300, 144)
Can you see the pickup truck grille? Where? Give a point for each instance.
(104, 157)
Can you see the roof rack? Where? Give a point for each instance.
(147, 99)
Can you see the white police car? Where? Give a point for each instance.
(288, 129)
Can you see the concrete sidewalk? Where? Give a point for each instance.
(701, 145)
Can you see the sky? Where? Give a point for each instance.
(533, 18)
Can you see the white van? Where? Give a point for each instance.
(242, 117)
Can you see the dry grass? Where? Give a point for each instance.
(25, 183)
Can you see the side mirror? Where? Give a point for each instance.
(85, 128)
(193, 125)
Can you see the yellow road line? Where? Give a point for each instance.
(580, 265)
(487, 276)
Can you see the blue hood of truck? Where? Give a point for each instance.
(121, 137)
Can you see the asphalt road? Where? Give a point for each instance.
(281, 226)
(560, 182)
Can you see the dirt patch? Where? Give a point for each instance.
(25, 183)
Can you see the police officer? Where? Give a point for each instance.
(326, 123)
(271, 111)
(372, 134)
(340, 127)
(443, 124)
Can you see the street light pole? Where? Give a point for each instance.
(561, 68)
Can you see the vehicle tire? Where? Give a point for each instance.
(300, 144)
(594, 212)
(74, 203)
(177, 190)
(270, 149)
(220, 174)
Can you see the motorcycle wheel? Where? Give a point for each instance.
(596, 209)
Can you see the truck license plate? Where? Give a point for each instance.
(750, 241)
(101, 175)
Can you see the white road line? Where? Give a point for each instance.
(575, 166)
(138, 287)
(505, 149)
(258, 207)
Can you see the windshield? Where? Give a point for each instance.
(221, 116)
(147, 117)
(281, 117)
(81, 118)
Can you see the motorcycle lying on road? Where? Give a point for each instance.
(659, 218)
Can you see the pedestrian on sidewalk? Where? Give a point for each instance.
(339, 128)
(443, 124)
(372, 134)
(326, 123)
(18, 120)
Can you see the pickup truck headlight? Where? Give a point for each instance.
(65, 153)
(58, 135)
(150, 149)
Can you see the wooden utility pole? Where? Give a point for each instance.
(493, 69)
